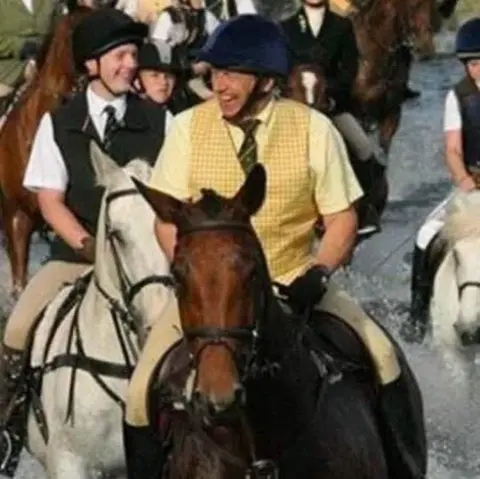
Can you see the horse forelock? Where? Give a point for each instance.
(463, 218)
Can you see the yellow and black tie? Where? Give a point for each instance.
(248, 154)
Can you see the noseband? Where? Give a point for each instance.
(468, 284)
(218, 336)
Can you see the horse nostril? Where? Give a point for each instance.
(240, 395)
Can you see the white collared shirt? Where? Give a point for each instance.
(452, 117)
(175, 34)
(46, 167)
(28, 5)
(315, 17)
(96, 110)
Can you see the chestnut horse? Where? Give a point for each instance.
(55, 79)
(299, 390)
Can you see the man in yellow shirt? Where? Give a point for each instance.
(214, 145)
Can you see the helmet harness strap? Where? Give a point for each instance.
(248, 107)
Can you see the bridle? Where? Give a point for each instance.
(129, 291)
(220, 336)
(468, 284)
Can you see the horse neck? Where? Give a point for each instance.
(97, 318)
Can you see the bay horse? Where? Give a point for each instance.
(257, 372)
(87, 342)
(307, 84)
(455, 301)
(54, 80)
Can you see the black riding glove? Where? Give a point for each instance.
(308, 290)
(29, 49)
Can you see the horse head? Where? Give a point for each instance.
(221, 277)
(307, 84)
(462, 231)
(131, 270)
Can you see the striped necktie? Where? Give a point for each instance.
(248, 154)
(111, 126)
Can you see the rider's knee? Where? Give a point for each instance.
(136, 405)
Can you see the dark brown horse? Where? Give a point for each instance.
(54, 80)
(310, 410)
(383, 34)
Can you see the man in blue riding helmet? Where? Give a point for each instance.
(214, 145)
(462, 156)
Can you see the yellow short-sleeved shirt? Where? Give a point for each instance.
(335, 184)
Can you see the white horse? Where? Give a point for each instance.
(455, 303)
(102, 334)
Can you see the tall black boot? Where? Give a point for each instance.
(415, 326)
(403, 432)
(144, 452)
(370, 174)
(12, 409)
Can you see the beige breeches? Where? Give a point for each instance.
(354, 135)
(167, 331)
(40, 290)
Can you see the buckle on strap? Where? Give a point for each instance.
(262, 469)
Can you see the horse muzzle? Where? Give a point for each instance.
(469, 335)
(213, 411)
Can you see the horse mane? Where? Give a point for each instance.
(463, 217)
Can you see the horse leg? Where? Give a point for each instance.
(387, 128)
(18, 229)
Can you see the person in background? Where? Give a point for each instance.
(146, 11)
(23, 27)
(462, 156)
(160, 77)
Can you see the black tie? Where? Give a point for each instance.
(248, 154)
(111, 126)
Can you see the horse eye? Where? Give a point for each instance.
(117, 235)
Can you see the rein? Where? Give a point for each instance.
(128, 290)
(125, 320)
(326, 365)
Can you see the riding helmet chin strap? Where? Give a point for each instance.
(98, 76)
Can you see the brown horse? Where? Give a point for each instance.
(311, 412)
(387, 32)
(55, 79)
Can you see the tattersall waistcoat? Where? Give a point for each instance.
(284, 223)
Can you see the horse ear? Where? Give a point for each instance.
(165, 206)
(103, 165)
(252, 193)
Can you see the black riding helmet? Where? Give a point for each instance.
(158, 55)
(102, 31)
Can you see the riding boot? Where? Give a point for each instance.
(368, 172)
(403, 432)
(144, 452)
(415, 326)
(12, 409)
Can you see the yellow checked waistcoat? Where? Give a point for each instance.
(284, 223)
